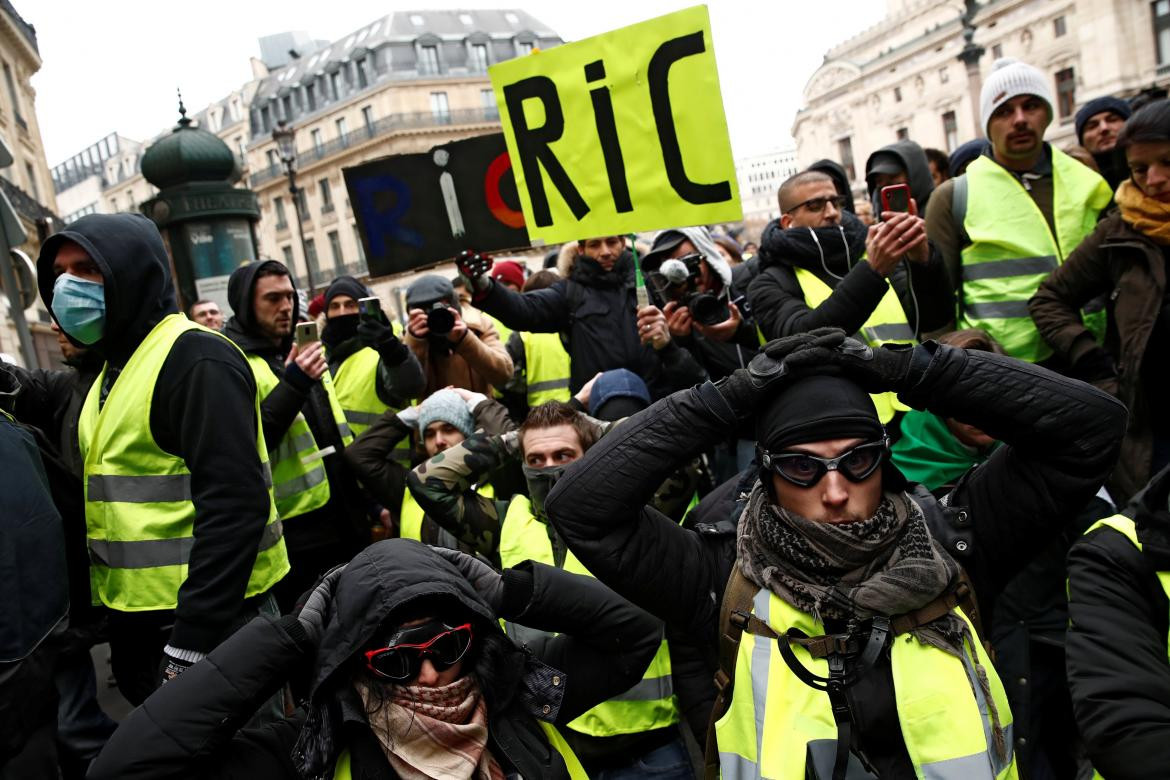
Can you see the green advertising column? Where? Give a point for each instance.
(207, 223)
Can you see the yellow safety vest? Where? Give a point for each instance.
(885, 325)
(356, 386)
(651, 703)
(944, 718)
(343, 770)
(547, 368)
(1012, 249)
(138, 511)
(411, 515)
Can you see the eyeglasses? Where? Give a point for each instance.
(402, 658)
(817, 205)
(806, 470)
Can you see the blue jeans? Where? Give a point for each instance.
(669, 762)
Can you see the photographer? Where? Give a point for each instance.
(453, 351)
(703, 307)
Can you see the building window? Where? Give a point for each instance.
(288, 258)
(1059, 28)
(428, 64)
(335, 249)
(12, 96)
(439, 108)
(286, 104)
(368, 119)
(335, 84)
(362, 77)
(1066, 92)
(479, 57)
(326, 196)
(32, 182)
(318, 143)
(311, 96)
(265, 119)
(361, 250)
(897, 94)
(273, 160)
(302, 204)
(525, 47)
(487, 99)
(1161, 9)
(311, 254)
(342, 129)
(903, 133)
(845, 152)
(997, 51)
(950, 130)
(944, 75)
(281, 219)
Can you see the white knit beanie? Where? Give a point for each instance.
(1009, 78)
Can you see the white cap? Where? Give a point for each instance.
(1010, 78)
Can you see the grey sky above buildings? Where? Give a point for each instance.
(114, 66)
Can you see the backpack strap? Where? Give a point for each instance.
(737, 600)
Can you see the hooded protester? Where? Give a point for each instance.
(965, 154)
(830, 551)
(372, 369)
(1119, 586)
(410, 677)
(442, 421)
(821, 267)
(1098, 124)
(633, 733)
(840, 181)
(460, 348)
(180, 562)
(594, 306)
(1124, 258)
(902, 162)
(320, 504)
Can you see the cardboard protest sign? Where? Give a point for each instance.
(620, 132)
(415, 210)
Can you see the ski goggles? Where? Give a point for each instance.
(403, 655)
(805, 470)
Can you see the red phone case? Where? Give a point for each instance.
(887, 191)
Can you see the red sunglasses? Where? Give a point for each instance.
(402, 658)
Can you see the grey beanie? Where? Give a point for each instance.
(448, 407)
(1010, 78)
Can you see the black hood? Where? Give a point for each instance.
(241, 328)
(825, 255)
(835, 172)
(1151, 514)
(917, 171)
(135, 267)
(388, 576)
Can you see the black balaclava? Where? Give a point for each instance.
(341, 329)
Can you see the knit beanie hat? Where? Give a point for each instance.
(817, 408)
(619, 383)
(448, 407)
(1009, 78)
(508, 271)
(346, 285)
(1098, 106)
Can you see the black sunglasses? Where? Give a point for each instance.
(402, 658)
(806, 470)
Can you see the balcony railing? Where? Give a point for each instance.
(384, 126)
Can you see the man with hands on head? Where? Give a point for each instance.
(595, 308)
(858, 575)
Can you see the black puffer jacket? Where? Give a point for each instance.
(190, 727)
(1061, 438)
(1119, 617)
(597, 310)
(834, 255)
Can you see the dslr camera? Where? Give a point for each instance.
(440, 319)
(677, 280)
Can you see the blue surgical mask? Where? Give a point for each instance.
(80, 308)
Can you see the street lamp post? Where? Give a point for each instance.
(285, 138)
(970, 56)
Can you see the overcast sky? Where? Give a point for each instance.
(114, 65)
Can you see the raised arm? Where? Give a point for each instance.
(538, 311)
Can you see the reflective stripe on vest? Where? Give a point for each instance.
(138, 509)
(411, 515)
(650, 703)
(942, 714)
(1012, 248)
(546, 368)
(1127, 528)
(298, 486)
(885, 325)
(356, 387)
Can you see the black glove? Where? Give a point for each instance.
(318, 605)
(488, 582)
(894, 368)
(475, 267)
(744, 387)
(173, 667)
(380, 336)
(1094, 366)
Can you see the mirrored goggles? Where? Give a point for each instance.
(402, 658)
(805, 470)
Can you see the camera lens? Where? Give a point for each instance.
(707, 309)
(440, 320)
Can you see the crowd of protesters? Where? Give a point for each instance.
(886, 494)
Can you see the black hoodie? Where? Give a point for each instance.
(341, 521)
(917, 169)
(202, 410)
(840, 181)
